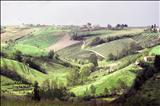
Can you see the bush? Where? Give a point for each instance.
(112, 57)
(73, 77)
(85, 72)
(93, 59)
(96, 41)
(106, 91)
(157, 62)
(36, 95)
(35, 65)
(51, 90)
(51, 54)
(93, 90)
(18, 56)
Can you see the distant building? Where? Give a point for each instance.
(149, 58)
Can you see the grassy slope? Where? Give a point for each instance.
(12, 87)
(114, 47)
(145, 37)
(42, 37)
(105, 33)
(34, 75)
(29, 50)
(155, 50)
(74, 51)
(6, 80)
(109, 81)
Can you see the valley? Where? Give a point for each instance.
(78, 67)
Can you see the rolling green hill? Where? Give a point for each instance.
(114, 47)
(55, 72)
(42, 37)
(155, 50)
(109, 81)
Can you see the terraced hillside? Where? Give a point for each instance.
(15, 32)
(42, 37)
(114, 47)
(70, 69)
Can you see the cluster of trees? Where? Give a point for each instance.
(98, 40)
(80, 76)
(117, 27)
(153, 28)
(51, 90)
(29, 61)
(148, 71)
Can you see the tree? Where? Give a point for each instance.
(73, 77)
(111, 56)
(93, 59)
(85, 72)
(93, 90)
(89, 26)
(106, 91)
(157, 62)
(109, 26)
(51, 54)
(18, 55)
(36, 95)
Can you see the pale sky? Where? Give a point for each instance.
(133, 13)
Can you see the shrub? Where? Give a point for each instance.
(18, 56)
(73, 77)
(157, 61)
(96, 41)
(51, 54)
(112, 57)
(35, 65)
(93, 59)
(106, 91)
(52, 91)
(36, 95)
(93, 90)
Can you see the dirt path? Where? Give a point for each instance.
(62, 43)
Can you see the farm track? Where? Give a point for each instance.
(96, 53)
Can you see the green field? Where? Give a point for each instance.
(42, 37)
(155, 50)
(114, 47)
(127, 75)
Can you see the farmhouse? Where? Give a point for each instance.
(149, 58)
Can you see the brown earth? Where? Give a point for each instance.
(62, 43)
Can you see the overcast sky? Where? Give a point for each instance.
(133, 13)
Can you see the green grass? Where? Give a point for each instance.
(6, 81)
(145, 38)
(55, 72)
(12, 87)
(42, 37)
(74, 51)
(30, 50)
(22, 70)
(127, 74)
(114, 47)
(155, 50)
(105, 33)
